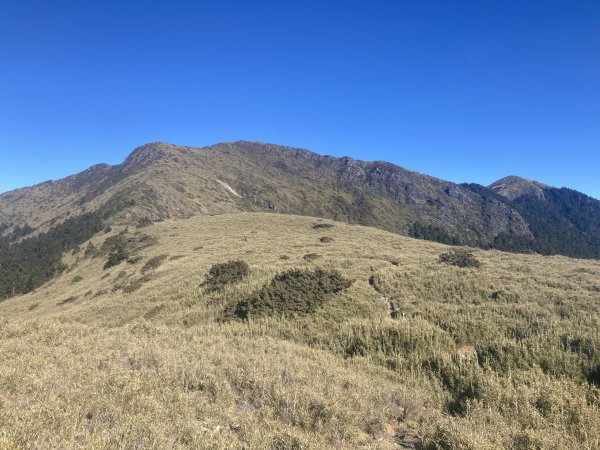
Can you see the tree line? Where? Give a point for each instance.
(28, 262)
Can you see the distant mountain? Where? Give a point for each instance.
(562, 221)
(39, 224)
(161, 180)
(158, 181)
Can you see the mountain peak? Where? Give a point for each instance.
(148, 153)
(513, 187)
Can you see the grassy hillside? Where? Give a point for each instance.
(414, 353)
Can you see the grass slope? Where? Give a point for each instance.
(137, 356)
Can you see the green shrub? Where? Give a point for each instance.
(326, 239)
(222, 274)
(118, 255)
(460, 258)
(144, 222)
(77, 279)
(291, 293)
(91, 250)
(432, 232)
(593, 376)
(317, 226)
(376, 283)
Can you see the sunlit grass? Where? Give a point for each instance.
(501, 356)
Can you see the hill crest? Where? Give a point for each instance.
(513, 186)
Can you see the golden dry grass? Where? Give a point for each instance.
(136, 358)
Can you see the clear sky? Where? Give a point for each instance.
(462, 90)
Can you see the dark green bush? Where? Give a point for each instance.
(77, 279)
(118, 255)
(144, 222)
(432, 233)
(91, 250)
(222, 274)
(291, 293)
(460, 258)
(326, 239)
(317, 226)
(593, 376)
(374, 281)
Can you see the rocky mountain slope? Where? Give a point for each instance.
(159, 181)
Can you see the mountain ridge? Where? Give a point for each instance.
(160, 180)
(167, 180)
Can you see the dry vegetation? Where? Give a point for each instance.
(506, 355)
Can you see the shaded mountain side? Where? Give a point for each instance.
(158, 181)
(562, 221)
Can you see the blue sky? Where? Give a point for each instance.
(462, 90)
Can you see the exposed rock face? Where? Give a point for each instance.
(162, 180)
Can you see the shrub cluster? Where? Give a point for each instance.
(144, 222)
(116, 256)
(291, 293)
(460, 258)
(432, 233)
(326, 239)
(222, 274)
(317, 226)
